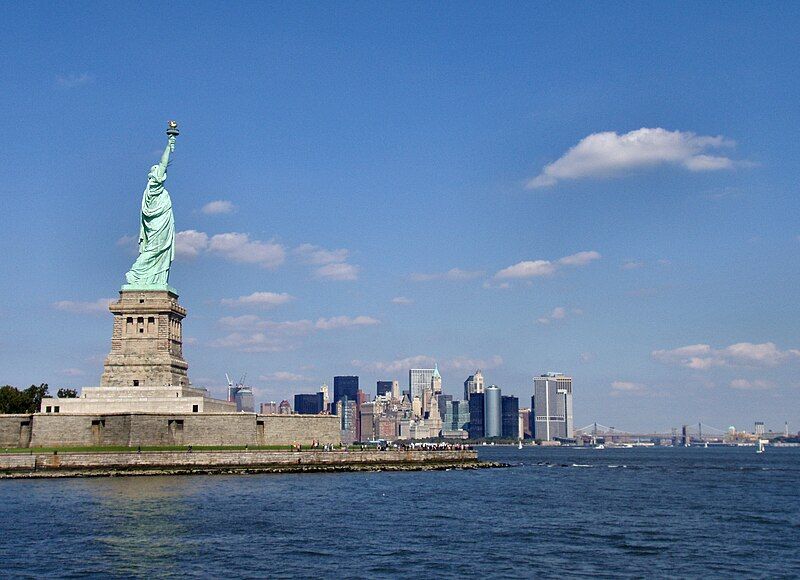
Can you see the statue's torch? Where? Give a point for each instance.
(172, 132)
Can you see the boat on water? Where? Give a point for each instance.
(519, 445)
(760, 445)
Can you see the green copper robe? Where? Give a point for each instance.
(156, 231)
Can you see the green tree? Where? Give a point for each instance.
(67, 394)
(34, 396)
(12, 400)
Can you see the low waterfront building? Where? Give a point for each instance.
(270, 408)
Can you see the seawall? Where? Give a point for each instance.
(87, 464)
(158, 429)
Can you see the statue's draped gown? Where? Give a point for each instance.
(156, 233)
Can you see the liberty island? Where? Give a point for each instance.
(146, 401)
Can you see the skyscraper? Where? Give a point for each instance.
(345, 386)
(244, 399)
(510, 410)
(309, 404)
(456, 418)
(325, 396)
(492, 414)
(473, 384)
(419, 380)
(476, 416)
(552, 407)
(436, 381)
(384, 388)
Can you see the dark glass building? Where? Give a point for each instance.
(345, 387)
(510, 406)
(476, 415)
(384, 388)
(309, 404)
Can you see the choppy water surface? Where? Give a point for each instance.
(614, 512)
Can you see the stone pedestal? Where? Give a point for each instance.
(146, 344)
(145, 372)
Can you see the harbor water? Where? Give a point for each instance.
(692, 512)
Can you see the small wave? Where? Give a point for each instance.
(581, 465)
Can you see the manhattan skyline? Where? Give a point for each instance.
(368, 189)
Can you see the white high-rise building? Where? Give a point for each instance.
(473, 384)
(419, 380)
(552, 407)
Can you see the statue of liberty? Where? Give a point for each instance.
(156, 228)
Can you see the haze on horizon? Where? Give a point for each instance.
(604, 190)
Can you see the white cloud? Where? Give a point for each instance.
(627, 388)
(96, 307)
(402, 300)
(703, 356)
(580, 259)
(609, 154)
(238, 247)
(397, 366)
(746, 385)
(74, 80)
(452, 274)
(330, 264)
(456, 364)
(461, 363)
(631, 265)
(253, 342)
(250, 322)
(318, 256)
(220, 206)
(544, 268)
(262, 299)
(254, 334)
(283, 376)
(189, 243)
(337, 271)
(528, 269)
(345, 322)
(558, 313)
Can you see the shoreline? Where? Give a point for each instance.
(133, 463)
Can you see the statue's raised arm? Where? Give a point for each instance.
(156, 226)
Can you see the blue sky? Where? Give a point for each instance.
(606, 190)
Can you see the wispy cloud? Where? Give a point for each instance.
(627, 388)
(329, 264)
(96, 307)
(452, 274)
(238, 247)
(72, 372)
(189, 243)
(74, 80)
(703, 356)
(609, 154)
(402, 300)
(631, 265)
(544, 268)
(754, 385)
(337, 271)
(261, 299)
(255, 334)
(456, 364)
(220, 206)
(558, 313)
(284, 376)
